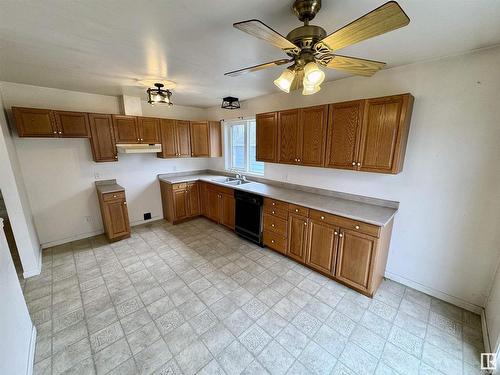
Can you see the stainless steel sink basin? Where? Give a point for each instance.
(230, 181)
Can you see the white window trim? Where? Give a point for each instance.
(228, 162)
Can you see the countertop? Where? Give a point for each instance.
(362, 211)
(108, 186)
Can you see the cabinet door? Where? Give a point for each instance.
(297, 237)
(149, 130)
(200, 139)
(202, 191)
(227, 210)
(194, 199)
(321, 246)
(213, 204)
(31, 122)
(381, 134)
(288, 136)
(125, 129)
(180, 204)
(266, 136)
(117, 218)
(102, 139)
(313, 126)
(356, 252)
(344, 129)
(168, 139)
(72, 124)
(215, 139)
(183, 140)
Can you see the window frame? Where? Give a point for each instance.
(228, 162)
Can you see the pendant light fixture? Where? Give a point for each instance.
(313, 75)
(230, 102)
(159, 95)
(285, 80)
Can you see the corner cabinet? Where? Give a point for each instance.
(180, 201)
(367, 135)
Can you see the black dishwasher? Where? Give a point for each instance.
(248, 222)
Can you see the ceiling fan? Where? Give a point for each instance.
(309, 47)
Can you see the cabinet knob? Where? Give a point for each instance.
(273, 225)
(353, 163)
(274, 204)
(357, 227)
(298, 159)
(322, 218)
(125, 203)
(116, 156)
(296, 210)
(341, 235)
(305, 224)
(60, 132)
(138, 139)
(272, 241)
(273, 212)
(114, 196)
(55, 132)
(295, 159)
(336, 233)
(359, 164)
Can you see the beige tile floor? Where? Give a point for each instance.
(194, 298)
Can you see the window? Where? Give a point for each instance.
(241, 147)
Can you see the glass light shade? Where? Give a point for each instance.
(284, 81)
(310, 89)
(313, 74)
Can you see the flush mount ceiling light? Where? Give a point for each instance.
(158, 95)
(308, 47)
(230, 102)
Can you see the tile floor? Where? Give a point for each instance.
(196, 299)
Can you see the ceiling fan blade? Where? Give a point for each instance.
(354, 65)
(258, 67)
(385, 18)
(260, 30)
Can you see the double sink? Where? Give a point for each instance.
(232, 181)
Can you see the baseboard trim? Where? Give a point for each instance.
(435, 293)
(31, 354)
(94, 233)
(486, 336)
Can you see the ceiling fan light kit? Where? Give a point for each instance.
(309, 47)
(158, 95)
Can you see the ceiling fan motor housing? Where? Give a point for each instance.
(306, 9)
(306, 36)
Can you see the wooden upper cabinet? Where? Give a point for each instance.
(289, 145)
(102, 140)
(200, 138)
(182, 138)
(266, 137)
(297, 237)
(215, 139)
(72, 124)
(321, 246)
(344, 129)
(356, 252)
(384, 133)
(148, 129)
(31, 122)
(168, 139)
(313, 127)
(125, 128)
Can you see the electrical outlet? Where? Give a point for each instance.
(147, 216)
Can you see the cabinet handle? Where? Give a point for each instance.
(125, 203)
(357, 227)
(336, 233)
(341, 235)
(353, 163)
(359, 164)
(322, 218)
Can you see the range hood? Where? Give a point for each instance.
(138, 148)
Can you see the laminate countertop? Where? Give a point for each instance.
(108, 186)
(352, 209)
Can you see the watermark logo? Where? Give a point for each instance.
(488, 361)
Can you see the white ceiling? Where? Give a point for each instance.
(108, 46)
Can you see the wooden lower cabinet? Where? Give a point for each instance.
(114, 215)
(321, 246)
(213, 204)
(193, 198)
(356, 252)
(227, 215)
(297, 237)
(181, 203)
(221, 205)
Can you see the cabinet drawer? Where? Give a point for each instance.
(283, 214)
(275, 241)
(112, 196)
(179, 186)
(220, 189)
(273, 203)
(299, 210)
(346, 223)
(275, 224)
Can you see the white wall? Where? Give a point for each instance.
(17, 334)
(17, 203)
(445, 238)
(492, 313)
(59, 174)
